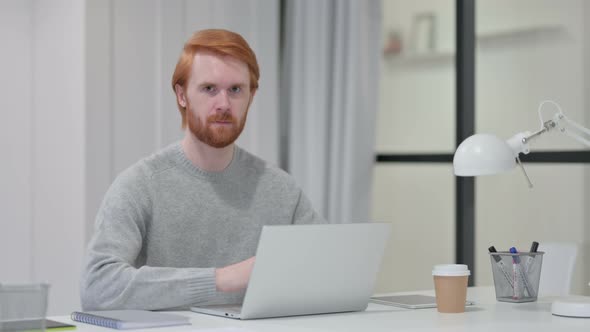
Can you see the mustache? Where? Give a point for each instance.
(224, 117)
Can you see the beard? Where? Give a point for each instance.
(217, 136)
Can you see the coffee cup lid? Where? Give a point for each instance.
(451, 270)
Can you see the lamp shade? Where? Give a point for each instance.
(483, 154)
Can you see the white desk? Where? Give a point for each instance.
(486, 315)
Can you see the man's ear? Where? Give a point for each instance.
(180, 95)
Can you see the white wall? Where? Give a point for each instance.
(16, 141)
(42, 124)
(85, 93)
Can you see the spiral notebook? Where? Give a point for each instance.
(129, 319)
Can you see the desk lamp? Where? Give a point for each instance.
(485, 154)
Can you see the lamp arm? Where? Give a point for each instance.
(519, 142)
(566, 125)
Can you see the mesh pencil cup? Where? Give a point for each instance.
(516, 275)
(23, 307)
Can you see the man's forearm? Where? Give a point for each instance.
(120, 286)
(235, 277)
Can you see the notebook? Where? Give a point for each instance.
(310, 269)
(129, 319)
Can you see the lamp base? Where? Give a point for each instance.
(573, 306)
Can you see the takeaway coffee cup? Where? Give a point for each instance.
(450, 285)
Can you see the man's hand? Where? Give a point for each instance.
(234, 277)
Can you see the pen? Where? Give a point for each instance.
(531, 259)
(529, 263)
(519, 273)
(516, 287)
(534, 246)
(498, 260)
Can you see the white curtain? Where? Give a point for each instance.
(330, 91)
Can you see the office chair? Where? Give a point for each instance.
(557, 268)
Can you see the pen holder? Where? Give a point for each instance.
(23, 307)
(516, 276)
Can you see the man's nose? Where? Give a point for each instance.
(223, 102)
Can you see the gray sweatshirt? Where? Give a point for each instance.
(165, 225)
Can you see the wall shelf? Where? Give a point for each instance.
(520, 32)
(445, 56)
(420, 58)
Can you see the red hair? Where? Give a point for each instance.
(218, 41)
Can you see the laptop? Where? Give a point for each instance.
(310, 269)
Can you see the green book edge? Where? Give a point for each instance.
(58, 326)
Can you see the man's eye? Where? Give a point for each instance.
(209, 88)
(235, 89)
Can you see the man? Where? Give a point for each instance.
(182, 226)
